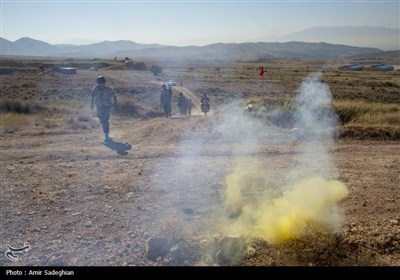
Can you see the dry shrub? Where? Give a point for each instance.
(12, 121)
(380, 118)
(362, 132)
(391, 118)
(22, 107)
(320, 247)
(127, 107)
(365, 113)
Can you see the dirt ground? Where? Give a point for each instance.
(79, 202)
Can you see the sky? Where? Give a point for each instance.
(184, 23)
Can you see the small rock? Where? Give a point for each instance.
(88, 224)
(250, 252)
(232, 250)
(157, 247)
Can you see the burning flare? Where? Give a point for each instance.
(306, 207)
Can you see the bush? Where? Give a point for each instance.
(20, 107)
(155, 69)
(127, 107)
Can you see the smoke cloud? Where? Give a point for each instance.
(304, 198)
(239, 175)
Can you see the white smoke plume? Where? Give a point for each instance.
(240, 175)
(282, 203)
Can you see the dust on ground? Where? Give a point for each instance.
(79, 202)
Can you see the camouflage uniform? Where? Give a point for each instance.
(182, 104)
(165, 100)
(205, 103)
(104, 98)
(189, 106)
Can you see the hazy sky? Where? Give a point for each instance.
(183, 23)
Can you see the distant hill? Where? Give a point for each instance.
(26, 46)
(253, 51)
(101, 49)
(365, 36)
(30, 47)
(387, 56)
(218, 51)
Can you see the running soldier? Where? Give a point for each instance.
(104, 98)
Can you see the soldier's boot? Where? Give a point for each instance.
(107, 138)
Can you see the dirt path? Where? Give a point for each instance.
(196, 111)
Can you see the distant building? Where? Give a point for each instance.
(65, 70)
(381, 67)
(352, 67)
(328, 69)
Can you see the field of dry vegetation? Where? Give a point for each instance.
(159, 201)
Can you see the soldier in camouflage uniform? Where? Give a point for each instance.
(165, 100)
(105, 99)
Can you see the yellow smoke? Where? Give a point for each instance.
(261, 209)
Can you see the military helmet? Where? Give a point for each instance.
(100, 79)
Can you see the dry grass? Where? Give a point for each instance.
(364, 100)
(22, 107)
(13, 121)
(367, 113)
(127, 107)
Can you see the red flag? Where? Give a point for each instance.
(261, 73)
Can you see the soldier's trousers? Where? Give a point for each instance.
(104, 115)
(167, 110)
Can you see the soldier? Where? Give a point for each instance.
(190, 105)
(182, 104)
(105, 99)
(165, 100)
(205, 103)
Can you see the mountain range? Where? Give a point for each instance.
(295, 46)
(361, 36)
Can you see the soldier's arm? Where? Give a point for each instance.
(92, 102)
(115, 102)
